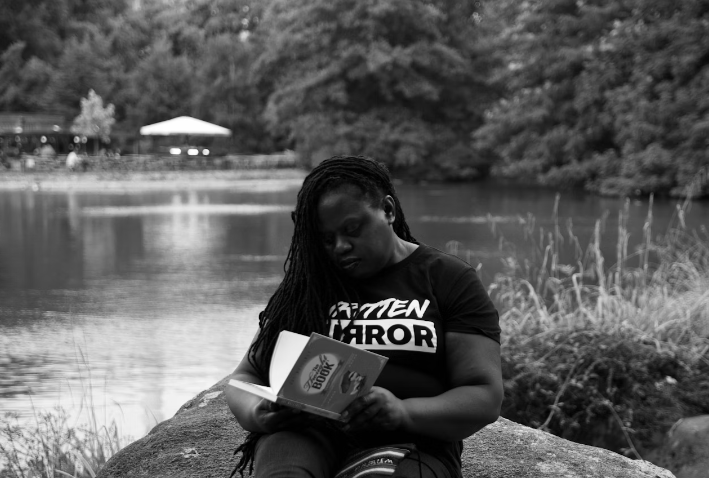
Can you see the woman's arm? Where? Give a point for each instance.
(255, 413)
(473, 401)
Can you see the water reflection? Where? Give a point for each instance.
(132, 302)
(152, 296)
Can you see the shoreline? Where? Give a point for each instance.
(258, 179)
(124, 181)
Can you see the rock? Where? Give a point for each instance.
(685, 449)
(200, 439)
(507, 449)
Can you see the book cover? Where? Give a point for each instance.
(323, 379)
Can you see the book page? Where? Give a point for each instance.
(258, 390)
(288, 348)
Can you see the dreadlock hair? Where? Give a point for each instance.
(311, 284)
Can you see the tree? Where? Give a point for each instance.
(224, 91)
(94, 120)
(399, 80)
(219, 17)
(22, 83)
(545, 46)
(39, 24)
(606, 95)
(86, 63)
(661, 111)
(160, 87)
(226, 95)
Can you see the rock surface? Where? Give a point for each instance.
(200, 439)
(686, 448)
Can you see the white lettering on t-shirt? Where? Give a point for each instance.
(404, 327)
(386, 334)
(348, 308)
(398, 307)
(367, 309)
(420, 310)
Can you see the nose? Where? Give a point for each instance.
(342, 245)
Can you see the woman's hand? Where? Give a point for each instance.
(377, 409)
(472, 402)
(270, 417)
(256, 414)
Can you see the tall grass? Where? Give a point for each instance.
(663, 299)
(608, 352)
(57, 443)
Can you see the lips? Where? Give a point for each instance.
(349, 264)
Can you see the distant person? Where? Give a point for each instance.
(72, 159)
(84, 161)
(3, 160)
(47, 152)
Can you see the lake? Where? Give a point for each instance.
(136, 301)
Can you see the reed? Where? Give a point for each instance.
(55, 443)
(608, 354)
(665, 300)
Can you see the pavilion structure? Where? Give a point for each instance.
(185, 135)
(184, 126)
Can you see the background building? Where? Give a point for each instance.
(26, 133)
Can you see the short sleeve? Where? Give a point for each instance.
(468, 309)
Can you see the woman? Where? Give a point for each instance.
(355, 272)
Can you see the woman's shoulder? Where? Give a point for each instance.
(440, 261)
(446, 272)
(428, 263)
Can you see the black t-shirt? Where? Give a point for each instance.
(403, 313)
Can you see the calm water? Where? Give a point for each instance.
(138, 301)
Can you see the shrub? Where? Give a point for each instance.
(607, 356)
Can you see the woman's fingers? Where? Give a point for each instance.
(362, 403)
(273, 417)
(379, 408)
(363, 415)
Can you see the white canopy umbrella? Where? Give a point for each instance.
(184, 125)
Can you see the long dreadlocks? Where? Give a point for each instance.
(311, 284)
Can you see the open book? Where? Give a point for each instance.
(317, 374)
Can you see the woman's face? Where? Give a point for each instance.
(358, 236)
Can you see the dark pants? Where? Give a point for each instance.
(312, 453)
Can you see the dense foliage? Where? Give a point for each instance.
(395, 79)
(610, 355)
(607, 95)
(153, 63)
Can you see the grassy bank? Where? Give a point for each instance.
(60, 443)
(55, 446)
(606, 351)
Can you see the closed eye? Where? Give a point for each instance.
(353, 230)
